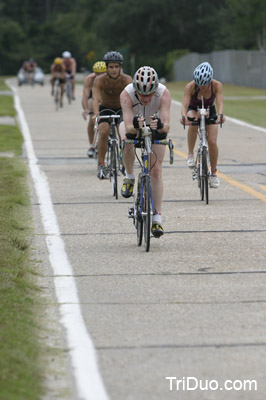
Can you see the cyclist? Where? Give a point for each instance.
(141, 99)
(58, 71)
(211, 90)
(70, 65)
(29, 68)
(98, 68)
(106, 95)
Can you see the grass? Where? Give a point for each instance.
(6, 106)
(20, 373)
(246, 109)
(10, 139)
(3, 85)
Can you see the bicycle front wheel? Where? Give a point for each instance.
(205, 175)
(146, 211)
(114, 168)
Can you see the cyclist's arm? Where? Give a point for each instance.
(126, 105)
(52, 69)
(96, 95)
(85, 97)
(165, 105)
(86, 92)
(219, 101)
(73, 67)
(186, 100)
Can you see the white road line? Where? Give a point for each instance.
(88, 380)
(234, 120)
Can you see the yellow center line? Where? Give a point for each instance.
(243, 187)
(232, 181)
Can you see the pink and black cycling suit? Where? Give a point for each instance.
(195, 103)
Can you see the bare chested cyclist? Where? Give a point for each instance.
(87, 103)
(106, 95)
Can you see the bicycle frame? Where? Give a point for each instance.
(203, 144)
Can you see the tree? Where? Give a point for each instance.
(244, 24)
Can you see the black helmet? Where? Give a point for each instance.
(113, 56)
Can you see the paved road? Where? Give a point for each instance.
(195, 305)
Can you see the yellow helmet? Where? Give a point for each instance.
(58, 61)
(99, 67)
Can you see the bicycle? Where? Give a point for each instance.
(202, 169)
(143, 205)
(69, 93)
(113, 157)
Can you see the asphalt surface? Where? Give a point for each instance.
(195, 305)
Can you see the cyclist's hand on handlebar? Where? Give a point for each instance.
(220, 119)
(183, 120)
(138, 121)
(85, 114)
(156, 123)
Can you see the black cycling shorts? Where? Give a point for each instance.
(107, 111)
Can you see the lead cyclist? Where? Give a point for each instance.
(141, 100)
(211, 90)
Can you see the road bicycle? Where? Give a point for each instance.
(143, 205)
(113, 155)
(69, 93)
(202, 169)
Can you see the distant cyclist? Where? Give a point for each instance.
(106, 95)
(58, 71)
(146, 97)
(29, 68)
(98, 68)
(70, 65)
(211, 90)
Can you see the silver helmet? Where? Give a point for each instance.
(145, 80)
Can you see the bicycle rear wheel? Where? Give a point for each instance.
(205, 175)
(146, 212)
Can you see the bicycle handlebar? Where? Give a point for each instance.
(163, 142)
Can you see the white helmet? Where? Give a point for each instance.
(66, 54)
(203, 74)
(145, 80)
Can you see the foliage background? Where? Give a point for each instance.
(146, 32)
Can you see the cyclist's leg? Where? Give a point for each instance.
(91, 122)
(128, 161)
(192, 132)
(73, 87)
(102, 142)
(52, 85)
(62, 87)
(128, 152)
(156, 176)
(212, 143)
